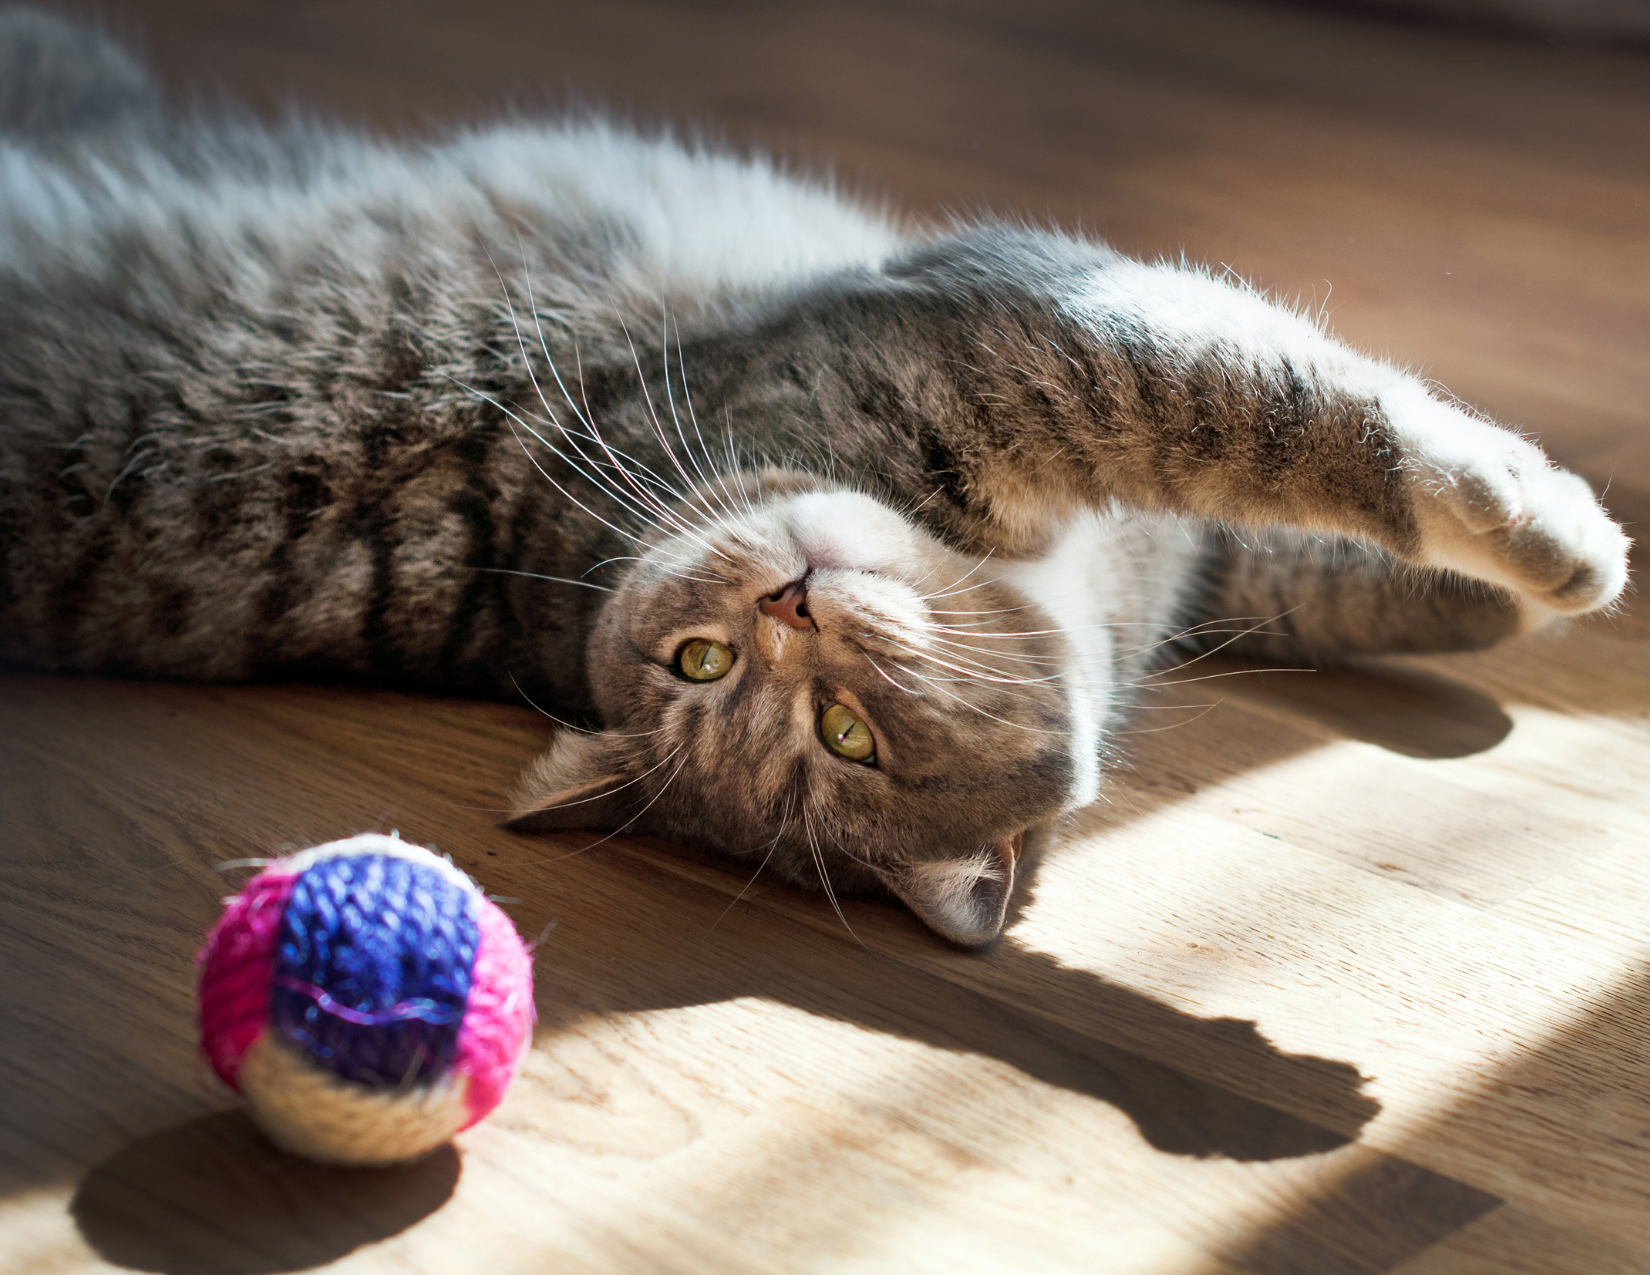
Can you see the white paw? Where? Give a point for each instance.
(1491, 505)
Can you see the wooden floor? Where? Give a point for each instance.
(1349, 974)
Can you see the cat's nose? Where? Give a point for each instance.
(790, 605)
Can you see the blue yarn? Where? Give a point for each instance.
(372, 968)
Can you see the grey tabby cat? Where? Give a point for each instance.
(844, 544)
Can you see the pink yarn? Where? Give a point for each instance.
(499, 1015)
(236, 967)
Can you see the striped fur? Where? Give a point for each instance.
(520, 411)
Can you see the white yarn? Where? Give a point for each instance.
(313, 1113)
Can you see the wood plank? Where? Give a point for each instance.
(1511, 1241)
(692, 1058)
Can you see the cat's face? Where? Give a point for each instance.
(801, 676)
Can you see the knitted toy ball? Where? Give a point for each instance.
(367, 1000)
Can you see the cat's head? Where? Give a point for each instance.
(802, 677)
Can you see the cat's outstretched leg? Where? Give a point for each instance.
(1165, 388)
(1300, 431)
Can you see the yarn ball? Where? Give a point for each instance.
(366, 999)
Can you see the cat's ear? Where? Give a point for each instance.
(587, 781)
(964, 899)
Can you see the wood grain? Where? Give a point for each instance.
(1348, 974)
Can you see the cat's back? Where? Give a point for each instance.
(251, 374)
(90, 158)
(229, 259)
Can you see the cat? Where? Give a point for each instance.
(837, 546)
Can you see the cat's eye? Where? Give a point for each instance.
(704, 660)
(846, 734)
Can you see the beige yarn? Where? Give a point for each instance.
(312, 1113)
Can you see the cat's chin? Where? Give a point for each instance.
(780, 526)
(850, 531)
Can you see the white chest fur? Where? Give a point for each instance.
(1109, 586)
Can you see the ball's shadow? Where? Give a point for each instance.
(214, 1197)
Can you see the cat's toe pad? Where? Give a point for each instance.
(1502, 513)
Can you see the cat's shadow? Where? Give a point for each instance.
(1414, 712)
(900, 981)
(212, 1195)
(910, 984)
(643, 927)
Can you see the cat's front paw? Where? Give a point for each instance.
(1489, 504)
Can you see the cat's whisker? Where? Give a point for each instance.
(1014, 633)
(1215, 650)
(971, 668)
(670, 399)
(985, 674)
(974, 679)
(825, 876)
(693, 416)
(929, 597)
(583, 417)
(989, 661)
(733, 456)
(825, 821)
(541, 469)
(913, 510)
(957, 585)
(659, 508)
(1034, 730)
(1148, 684)
(606, 488)
(679, 574)
(141, 449)
(664, 788)
(534, 575)
(586, 417)
(582, 730)
(625, 460)
(618, 787)
(653, 415)
(983, 610)
(659, 512)
(1152, 730)
(623, 503)
(1211, 629)
(772, 845)
(1063, 660)
(607, 561)
(527, 363)
(908, 690)
(629, 503)
(980, 673)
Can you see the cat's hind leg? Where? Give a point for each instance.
(1283, 596)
